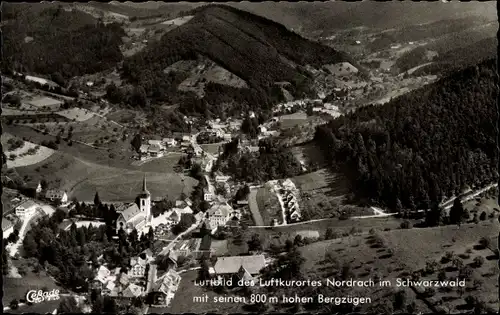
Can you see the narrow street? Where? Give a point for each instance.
(254, 208)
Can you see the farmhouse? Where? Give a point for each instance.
(7, 228)
(55, 194)
(27, 208)
(134, 216)
(239, 266)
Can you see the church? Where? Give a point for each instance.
(136, 216)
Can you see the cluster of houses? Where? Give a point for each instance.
(290, 107)
(290, 194)
(139, 279)
(224, 129)
(157, 148)
(26, 207)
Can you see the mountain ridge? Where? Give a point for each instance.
(257, 50)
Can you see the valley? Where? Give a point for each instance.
(185, 142)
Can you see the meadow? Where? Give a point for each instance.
(81, 179)
(397, 253)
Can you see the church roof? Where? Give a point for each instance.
(131, 212)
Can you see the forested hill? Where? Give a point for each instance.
(258, 50)
(423, 145)
(47, 39)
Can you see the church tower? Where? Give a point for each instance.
(145, 201)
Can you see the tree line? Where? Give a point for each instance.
(422, 146)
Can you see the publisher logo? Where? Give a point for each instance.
(39, 296)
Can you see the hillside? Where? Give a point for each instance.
(462, 57)
(477, 41)
(422, 146)
(387, 14)
(54, 41)
(257, 50)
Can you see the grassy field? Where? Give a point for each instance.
(81, 179)
(117, 154)
(310, 153)
(292, 120)
(164, 164)
(407, 251)
(322, 195)
(212, 148)
(269, 206)
(339, 226)
(16, 288)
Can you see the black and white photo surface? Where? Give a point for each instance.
(241, 157)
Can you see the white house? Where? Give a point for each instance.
(55, 194)
(170, 142)
(27, 208)
(220, 214)
(208, 196)
(137, 267)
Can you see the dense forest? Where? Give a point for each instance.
(58, 43)
(259, 51)
(422, 146)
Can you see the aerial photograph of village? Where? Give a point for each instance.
(249, 157)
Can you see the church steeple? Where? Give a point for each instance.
(144, 189)
(145, 201)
